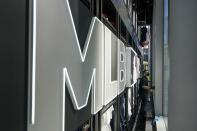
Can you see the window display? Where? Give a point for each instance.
(122, 109)
(130, 103)
(107, 119)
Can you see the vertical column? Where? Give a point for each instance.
(157, 54)
(183, 60)
(166, 64)
(13, 64)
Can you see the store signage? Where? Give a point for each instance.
(111, 69)
(59, 64)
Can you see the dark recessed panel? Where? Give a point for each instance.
(82, 18)
(75, 118)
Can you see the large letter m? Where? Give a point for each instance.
(60, 63)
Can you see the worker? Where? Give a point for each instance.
(144, 91)
(144, 87)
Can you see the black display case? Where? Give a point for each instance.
(123, 32)
(86, 126)
(109, 15)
